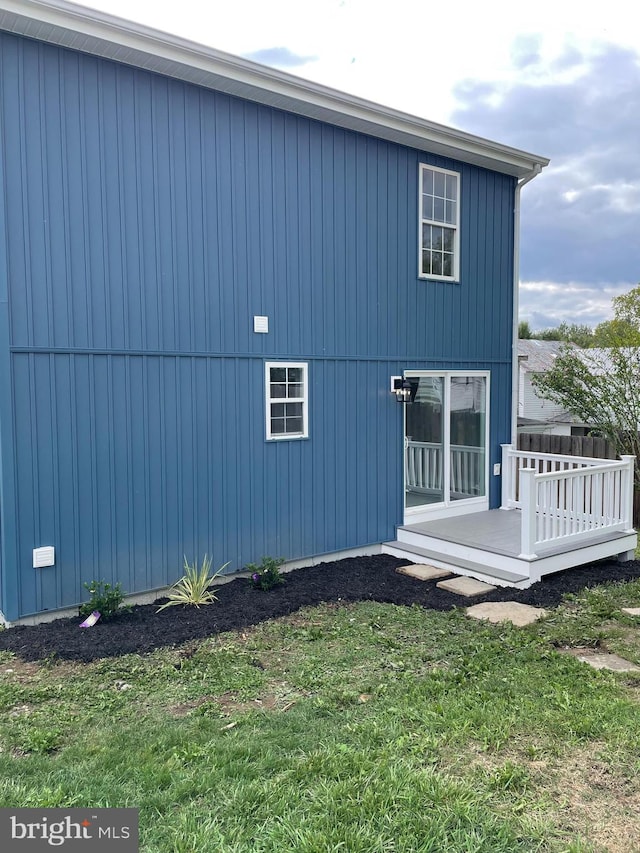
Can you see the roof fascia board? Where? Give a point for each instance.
(69, 25)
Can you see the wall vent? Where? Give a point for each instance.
(43, 557)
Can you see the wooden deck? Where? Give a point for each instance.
(487, 545)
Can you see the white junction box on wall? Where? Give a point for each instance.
(43, 557)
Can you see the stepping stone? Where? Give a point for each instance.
(423, 572)
(506, 611)
(469, 587)
(604, 660)
(631, 611)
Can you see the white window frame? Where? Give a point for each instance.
(269, 400)
(455, 227)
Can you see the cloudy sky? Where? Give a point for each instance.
(560, 78)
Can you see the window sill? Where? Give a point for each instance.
(442, 278)
(286, 438)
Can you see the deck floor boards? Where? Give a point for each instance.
(494, 530)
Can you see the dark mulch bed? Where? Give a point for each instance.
(143, 629)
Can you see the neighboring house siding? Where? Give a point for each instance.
(536, 407)
(147, 221)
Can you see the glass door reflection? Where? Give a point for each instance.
(424, 444)
(467, 436)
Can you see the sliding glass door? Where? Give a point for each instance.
(445, 443)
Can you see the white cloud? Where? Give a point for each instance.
(624, 197)
(547, 303)
(396, 53)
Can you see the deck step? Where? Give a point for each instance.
(459, 566)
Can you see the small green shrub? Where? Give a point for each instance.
(103, 597)
(267, 574)
(193, 586)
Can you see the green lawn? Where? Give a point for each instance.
(361, 728)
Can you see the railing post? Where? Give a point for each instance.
(508, 479)
(528, 517)
(626, 498)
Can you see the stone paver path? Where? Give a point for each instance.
(468, 587)
(506, 611)
(603, 660)
(423, 572)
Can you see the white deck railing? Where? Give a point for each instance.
(566, 499)
(424, 469)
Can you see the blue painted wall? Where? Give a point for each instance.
(146, 222)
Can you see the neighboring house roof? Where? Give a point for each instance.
(600, 361)
(69, 25)
(538, 356)
(529, 422)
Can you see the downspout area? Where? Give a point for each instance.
(516, 301)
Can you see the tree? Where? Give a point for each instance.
(601, 387)
(524, 330)
(547, 335)
(624, 329)
(573, 333)
(627, 307)
(616, 333)
(576, 333)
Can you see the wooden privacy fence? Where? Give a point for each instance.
(567, 445)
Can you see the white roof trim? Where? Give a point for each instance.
(69, 25)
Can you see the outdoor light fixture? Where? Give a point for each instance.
(404, 389)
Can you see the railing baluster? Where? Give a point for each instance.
(547, 509)
(508, 484)
(574, 497)
(626, 489)
(528, 517)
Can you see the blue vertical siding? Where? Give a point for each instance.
(172, 214)
(147, 221)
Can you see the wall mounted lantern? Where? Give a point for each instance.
(404, 389)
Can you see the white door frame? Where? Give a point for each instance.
(446, 508)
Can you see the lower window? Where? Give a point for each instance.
(286, 394)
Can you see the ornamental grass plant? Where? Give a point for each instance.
(193, 586)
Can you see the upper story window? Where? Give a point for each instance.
(439, 223)
(287, 398)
